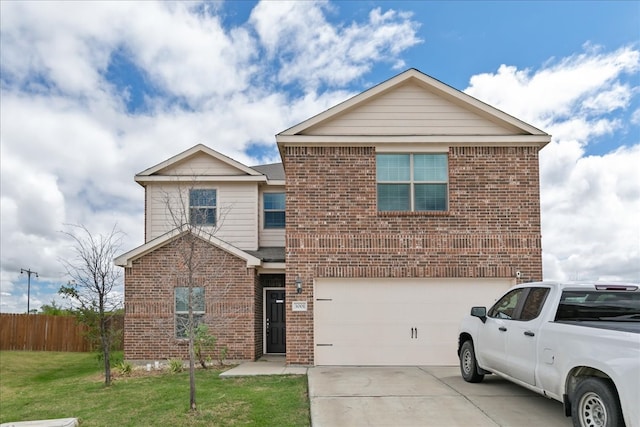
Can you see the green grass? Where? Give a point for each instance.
(46, 385)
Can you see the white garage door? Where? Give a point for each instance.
(395, 321)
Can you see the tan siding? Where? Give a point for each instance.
(202, 164)
(239, 215)
(237, 211)
(409, 110)
(269, 237)
(159, 198)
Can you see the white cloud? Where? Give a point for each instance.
(591, 219)
(590, 205)
(311, 51)
(585, 84)
(70, 148)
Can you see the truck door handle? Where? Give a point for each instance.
(529, 334)
(502, 328)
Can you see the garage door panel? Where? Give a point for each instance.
(397, 322)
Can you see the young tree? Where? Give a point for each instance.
(93, 279)
(195, 216)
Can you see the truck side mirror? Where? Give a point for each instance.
(479, 312)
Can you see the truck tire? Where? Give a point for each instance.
(468, 363)
(595, 404)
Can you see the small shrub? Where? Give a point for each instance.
(175, 366)
(124, 368)
(203, 342)
(222, 354)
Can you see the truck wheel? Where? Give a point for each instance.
(595, 404)
(468, 364)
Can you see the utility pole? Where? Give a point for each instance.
(29, 273)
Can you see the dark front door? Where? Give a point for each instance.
(276, 339)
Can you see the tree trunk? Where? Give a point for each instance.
(192, 356)
(192, 376)
(104, 340)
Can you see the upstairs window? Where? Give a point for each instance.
(274, 215)
(202, 207)
(182, 309)
(412, 182)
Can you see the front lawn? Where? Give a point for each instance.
(45, 385)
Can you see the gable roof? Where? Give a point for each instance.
(126, 259)
(503, 127)
(239, 169)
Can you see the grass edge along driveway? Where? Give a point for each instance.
(47, 385)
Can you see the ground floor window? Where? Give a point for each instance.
(182, 309)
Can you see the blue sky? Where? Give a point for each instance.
(454, 42)
(94, 92)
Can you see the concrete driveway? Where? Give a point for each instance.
(423, 396)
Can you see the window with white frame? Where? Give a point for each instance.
(202, 207)
(412, 182)
(182, 309)
(274, 213)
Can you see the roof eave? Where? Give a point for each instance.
(140, 179)
(502, 140)
(126, 259)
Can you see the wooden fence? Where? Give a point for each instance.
(39, 332)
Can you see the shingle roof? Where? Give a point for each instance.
(273, 171)
(269, 254)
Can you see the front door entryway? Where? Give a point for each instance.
(275, 321)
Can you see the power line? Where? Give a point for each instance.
(29, 273)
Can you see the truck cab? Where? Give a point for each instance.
(562, 341)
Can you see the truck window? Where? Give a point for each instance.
(505, 308)
(598, 305)
(533, 304)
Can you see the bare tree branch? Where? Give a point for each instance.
(194, 229)
(93, 279)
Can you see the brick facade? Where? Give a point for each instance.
(233, 308)
(492, 227)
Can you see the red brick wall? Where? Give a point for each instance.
(492, 228)
(258, 318)
(230, 291)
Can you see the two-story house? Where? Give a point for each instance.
(405, 205)
(237, 261)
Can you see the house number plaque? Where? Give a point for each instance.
(299, 306)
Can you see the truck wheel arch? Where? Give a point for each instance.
(574, 377)
(464, 336)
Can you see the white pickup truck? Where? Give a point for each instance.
(576, 343)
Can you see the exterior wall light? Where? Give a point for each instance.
(298, 285)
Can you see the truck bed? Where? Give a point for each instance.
(632, 327)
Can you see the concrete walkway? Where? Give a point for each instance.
(60, 422)
(266, 365)
(411, 396)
